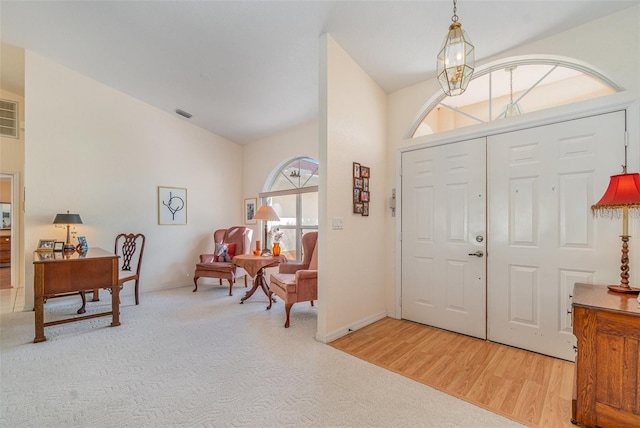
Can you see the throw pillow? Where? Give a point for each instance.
(231, 251)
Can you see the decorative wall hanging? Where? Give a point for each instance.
(250, 210)
(172, 205)
(361, 194)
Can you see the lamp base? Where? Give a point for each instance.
(266, 252)
(69, 247)
(621, 289)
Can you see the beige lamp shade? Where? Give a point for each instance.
(266, 213)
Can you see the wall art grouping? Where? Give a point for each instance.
(361, 195)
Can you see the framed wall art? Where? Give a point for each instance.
(172, 205)
(361, 193)
(250, 210)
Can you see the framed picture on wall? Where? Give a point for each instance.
(172, 205)
(250, 210)
(356, 170)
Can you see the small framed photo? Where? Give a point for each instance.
(46, 245)
(356, 170)
(365, 184)
(58, 246)
(356, 196)
(364, 196)
(172, 205)
(357, 208)
(358, 183)
(365, 209)
(250, 210)
(364, 171)
(82, 242)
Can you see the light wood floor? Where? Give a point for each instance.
(526, 387)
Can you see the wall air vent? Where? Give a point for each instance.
(183, 113)
(8, 118)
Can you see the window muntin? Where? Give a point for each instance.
(537, 85)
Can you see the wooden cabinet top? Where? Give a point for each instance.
(599, 297)
(59, 256)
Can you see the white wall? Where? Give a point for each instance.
(98, 152)
(12, 162)
(610, 45)
(352, 129)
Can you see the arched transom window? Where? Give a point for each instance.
(513, 87)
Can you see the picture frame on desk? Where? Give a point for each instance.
(82, 244)
(58, 246)
(45, 245)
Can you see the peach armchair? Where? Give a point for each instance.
(297, 282)
(209, 268)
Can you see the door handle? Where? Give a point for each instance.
(478, 253)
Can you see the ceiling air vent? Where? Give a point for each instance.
(8, 118)
(183, 113)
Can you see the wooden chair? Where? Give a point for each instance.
(297, 282)
(208, 267)
(130, 248)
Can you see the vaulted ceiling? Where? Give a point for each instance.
(247, 69)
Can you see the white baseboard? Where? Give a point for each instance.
(343, 331)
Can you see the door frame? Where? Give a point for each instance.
(628, 101)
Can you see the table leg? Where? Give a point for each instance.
(259, 281)
(115, 306)
(38, 290)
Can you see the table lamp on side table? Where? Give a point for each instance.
(68, 219)
(621, 197)
(266, 214)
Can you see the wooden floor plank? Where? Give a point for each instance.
(529, 388)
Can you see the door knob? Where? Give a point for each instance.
(478, 253)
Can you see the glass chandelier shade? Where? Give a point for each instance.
(456, 60)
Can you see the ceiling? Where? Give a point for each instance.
(248, 69)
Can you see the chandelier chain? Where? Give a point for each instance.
(511, 84)
(454, 18)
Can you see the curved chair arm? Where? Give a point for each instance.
(292, 267)
(207, 258)
(306, 285)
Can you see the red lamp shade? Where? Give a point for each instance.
(623, 190)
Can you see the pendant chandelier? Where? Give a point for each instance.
(512, 109)
(456, 59)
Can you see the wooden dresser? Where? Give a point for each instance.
(5, 250)
(607, 326)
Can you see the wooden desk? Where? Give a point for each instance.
(607, 326)
(57, 273)
(255, 266)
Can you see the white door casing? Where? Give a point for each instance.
(443, 221)
(541, 236)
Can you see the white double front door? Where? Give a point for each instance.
(522, 199)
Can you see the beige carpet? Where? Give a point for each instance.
(183, 359)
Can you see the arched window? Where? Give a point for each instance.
(515, 86)
(293, 194)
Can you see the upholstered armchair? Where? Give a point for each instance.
(297, 282)
(237, 236)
